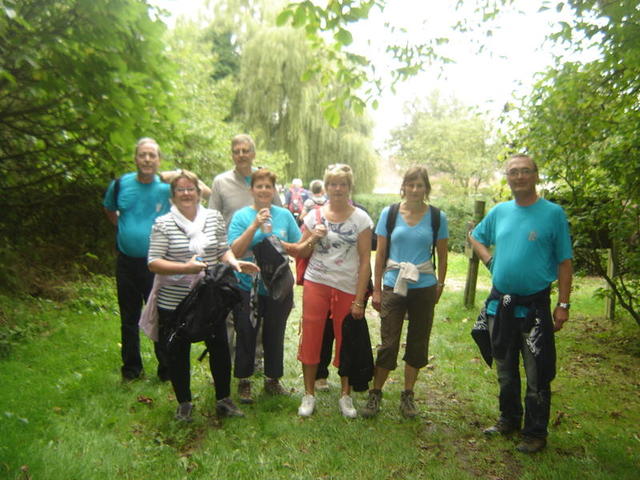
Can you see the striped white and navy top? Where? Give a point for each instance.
(169, 242)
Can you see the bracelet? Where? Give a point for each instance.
(441, 284)
(359, 305)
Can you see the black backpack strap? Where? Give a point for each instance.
(435, 227)
(392, 215)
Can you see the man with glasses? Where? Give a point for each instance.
(132, 203)
(231, 191)
(531, 249)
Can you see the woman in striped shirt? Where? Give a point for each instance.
(183, 242)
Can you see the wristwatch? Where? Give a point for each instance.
(564, 305)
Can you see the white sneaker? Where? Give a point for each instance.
(307, 406)
(346, 407)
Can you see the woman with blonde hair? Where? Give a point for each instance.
(337, 240)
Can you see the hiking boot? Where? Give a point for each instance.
(322, 385)
(272, 386)
(183, 413)
(346, 407)
(226, 408)
(244, 391)
(307, 406)
(502, 427)
(531, 444)
(408, 405)
(372, 407)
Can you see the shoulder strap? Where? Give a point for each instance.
(435, 227)
(392, 215)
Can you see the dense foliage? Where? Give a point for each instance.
(80, 80)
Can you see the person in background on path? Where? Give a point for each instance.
(317, 198)
(531, 249)
(406, 282)
(231, 191)
(183, 242)
(249, 226)
(295, 198)
(338, 245)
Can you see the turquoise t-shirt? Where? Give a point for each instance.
(139, 205)
(530, 242)
(283, 225)
(411, 244)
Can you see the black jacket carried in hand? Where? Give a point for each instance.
(210, 301)
(356, 357)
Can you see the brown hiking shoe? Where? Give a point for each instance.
(372, 407)
(531, 444)
(226, 408)
(408, 405)
(272, 386)
(244, 391)
(502, 427)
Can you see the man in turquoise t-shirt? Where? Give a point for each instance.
(532, 248)
(132, 203)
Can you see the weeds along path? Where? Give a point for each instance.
(65, 414)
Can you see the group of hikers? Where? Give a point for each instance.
(167, 240)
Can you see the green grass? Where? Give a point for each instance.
(65, 414)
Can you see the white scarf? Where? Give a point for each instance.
(198, 241)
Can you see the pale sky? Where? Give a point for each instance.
(514, 53)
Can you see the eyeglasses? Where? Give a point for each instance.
(241, 151)
(525, 172)
(187, 190)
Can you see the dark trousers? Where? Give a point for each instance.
(134, 282)
(325, 352)
(179, 357)
(272, 316)
(537, 400)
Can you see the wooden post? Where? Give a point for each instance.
(610, 301)
(472, 272)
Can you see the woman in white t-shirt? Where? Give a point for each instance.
(338, 240)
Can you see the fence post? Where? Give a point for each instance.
(610, 300)
(472, 271)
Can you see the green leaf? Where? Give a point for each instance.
(283, 17)
(344, 37)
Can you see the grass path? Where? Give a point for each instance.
(64, 413)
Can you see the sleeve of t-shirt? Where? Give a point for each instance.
(381, 228)
(293, 232)
(109, 200)
(564, 249)
(238, 225)
(483, 232)
(158, 241)
(363, 220)
(443, 230)
(221, 233)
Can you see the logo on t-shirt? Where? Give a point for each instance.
(533, 236)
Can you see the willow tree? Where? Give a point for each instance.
(281, 102)
(285, 110)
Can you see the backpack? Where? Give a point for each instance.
(209, 302)
(392, 215)
(295, 201)
(275, 272)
